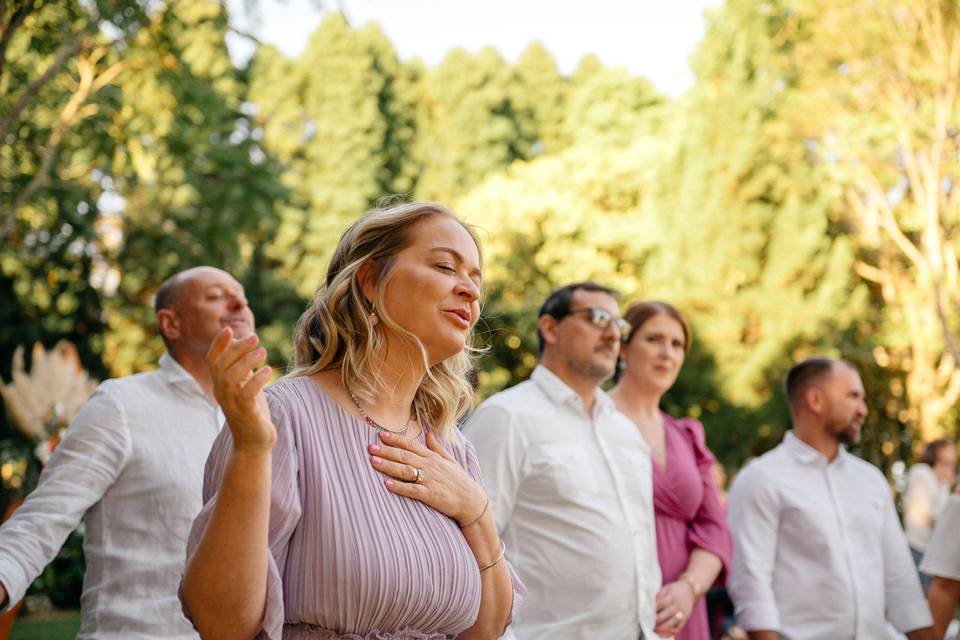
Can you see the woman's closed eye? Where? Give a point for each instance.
(447, 267)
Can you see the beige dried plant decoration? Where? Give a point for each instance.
(44, 400)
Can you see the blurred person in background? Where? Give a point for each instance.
(929, 483)
(819, 553)
(569, 480)
(131, 467)
(693, 540)
(941, 563)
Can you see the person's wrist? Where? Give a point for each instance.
(252, 450)
(695, 589)
(472, 514)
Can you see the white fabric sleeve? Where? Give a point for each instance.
(501, 452)
(907, 608)
(94, 450)
(754, 515)
(919, 506)
(943, 553)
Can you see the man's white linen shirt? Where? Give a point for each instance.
(132, 461)
(818, 550)
(572, 495)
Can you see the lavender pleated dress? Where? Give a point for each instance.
(347, 558)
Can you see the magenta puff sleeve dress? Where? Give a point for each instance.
(688, 512)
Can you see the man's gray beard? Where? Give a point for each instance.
(590, 370)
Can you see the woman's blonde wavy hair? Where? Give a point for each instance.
(336, 330)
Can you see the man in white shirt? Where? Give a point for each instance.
(569, 481)
(131, 465)
(818, 551)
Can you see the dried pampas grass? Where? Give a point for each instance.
(43, 401)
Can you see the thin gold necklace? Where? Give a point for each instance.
(373, 423)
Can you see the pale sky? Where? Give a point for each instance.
(653, 38)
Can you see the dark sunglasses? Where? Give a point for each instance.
(602, 319)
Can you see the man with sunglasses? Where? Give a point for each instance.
(569, 480)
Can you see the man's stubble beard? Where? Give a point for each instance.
(591, 370)
(849, 433)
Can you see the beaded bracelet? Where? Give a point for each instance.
(477, 519)
(503, 550)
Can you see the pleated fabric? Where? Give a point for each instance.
(347, 558)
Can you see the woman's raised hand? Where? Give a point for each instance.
(238, 386)
(428, 474)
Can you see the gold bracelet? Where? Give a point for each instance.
(686, 577)
(477, 519)
(503, 549)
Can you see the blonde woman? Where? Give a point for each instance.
(342, 502)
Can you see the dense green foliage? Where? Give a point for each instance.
(145, 151)
(800, 198)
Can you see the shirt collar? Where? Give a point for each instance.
(560, 392)
(176, 375)
(805, 454)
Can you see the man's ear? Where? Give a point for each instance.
(814, 398)
(168, 324)
(367, 275)
(548, 329)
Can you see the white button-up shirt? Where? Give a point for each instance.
(131, 465)
(818, 551)
(922, 504)
(572, 495)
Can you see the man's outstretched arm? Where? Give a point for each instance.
(88, 460)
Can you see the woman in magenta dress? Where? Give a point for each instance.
(693, 541)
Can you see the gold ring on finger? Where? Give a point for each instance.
(678, 616)
(419, 477)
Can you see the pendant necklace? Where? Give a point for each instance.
(374, 424)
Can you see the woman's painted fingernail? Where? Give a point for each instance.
(389, 483)
(374, 448)
(376, 460)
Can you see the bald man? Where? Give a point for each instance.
(131, 466)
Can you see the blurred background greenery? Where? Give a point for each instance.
(799, 198)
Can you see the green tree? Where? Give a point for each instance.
(125, 155)
(880, 109)
(715, 208)
(538, 94)
(341, 118)
(746, 243)
(558, 219)
(468, 126)
(194, 186)
(156, 171)
(609, 106)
